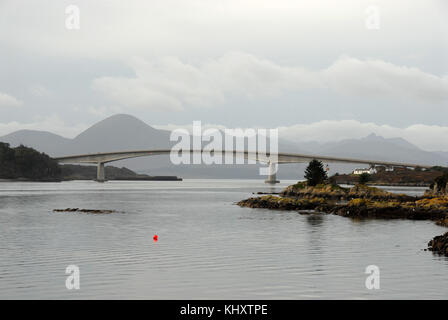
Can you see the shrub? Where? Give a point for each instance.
(364, 178)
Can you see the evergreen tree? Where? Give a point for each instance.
(315, 173)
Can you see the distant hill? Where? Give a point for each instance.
(378, 148)
(24, 163)
(119, 132)
(50, 143)
(443, 154)
(125, 132)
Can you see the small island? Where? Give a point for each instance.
(319, 195)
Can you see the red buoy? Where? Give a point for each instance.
(155, 237)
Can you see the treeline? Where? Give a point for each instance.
(80, 172)
(27, 164)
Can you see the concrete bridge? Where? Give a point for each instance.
(280, 158)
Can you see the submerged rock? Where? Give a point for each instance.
(93, 211)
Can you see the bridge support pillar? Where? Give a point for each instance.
(100, 175)
(272, 177)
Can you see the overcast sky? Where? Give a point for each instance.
(319, 70)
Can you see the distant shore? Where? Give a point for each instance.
(400, 177)
(30, 180)
(149, 178)
(388, 184)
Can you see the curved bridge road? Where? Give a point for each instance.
(271, 159)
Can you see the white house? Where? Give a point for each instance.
(361, 171)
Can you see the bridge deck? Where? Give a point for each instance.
(280, 157)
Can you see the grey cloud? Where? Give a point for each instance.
(169, 83)
(291, 75)
(382, 79)
(8, 101)
(51, 123)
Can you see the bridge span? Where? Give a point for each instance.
(280, 158)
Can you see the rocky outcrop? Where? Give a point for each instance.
(355, 208)
(326, 191)
(442, 222)
(439, 244)
(335, 192)
(282, 203)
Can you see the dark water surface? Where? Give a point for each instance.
(208, 247)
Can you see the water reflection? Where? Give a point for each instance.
(316, 233)
(315, 220)
(208, 247)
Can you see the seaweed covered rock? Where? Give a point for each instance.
(336, 192)
(326, 191)
(282, 203)
(360, 201)
(433, 203)
(442, 222)
(388, 209)
(439, 244)
(372, 193)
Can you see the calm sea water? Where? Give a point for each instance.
(208, 247)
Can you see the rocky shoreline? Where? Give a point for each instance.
(355, 208)
(359, 202)
(439, 244)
